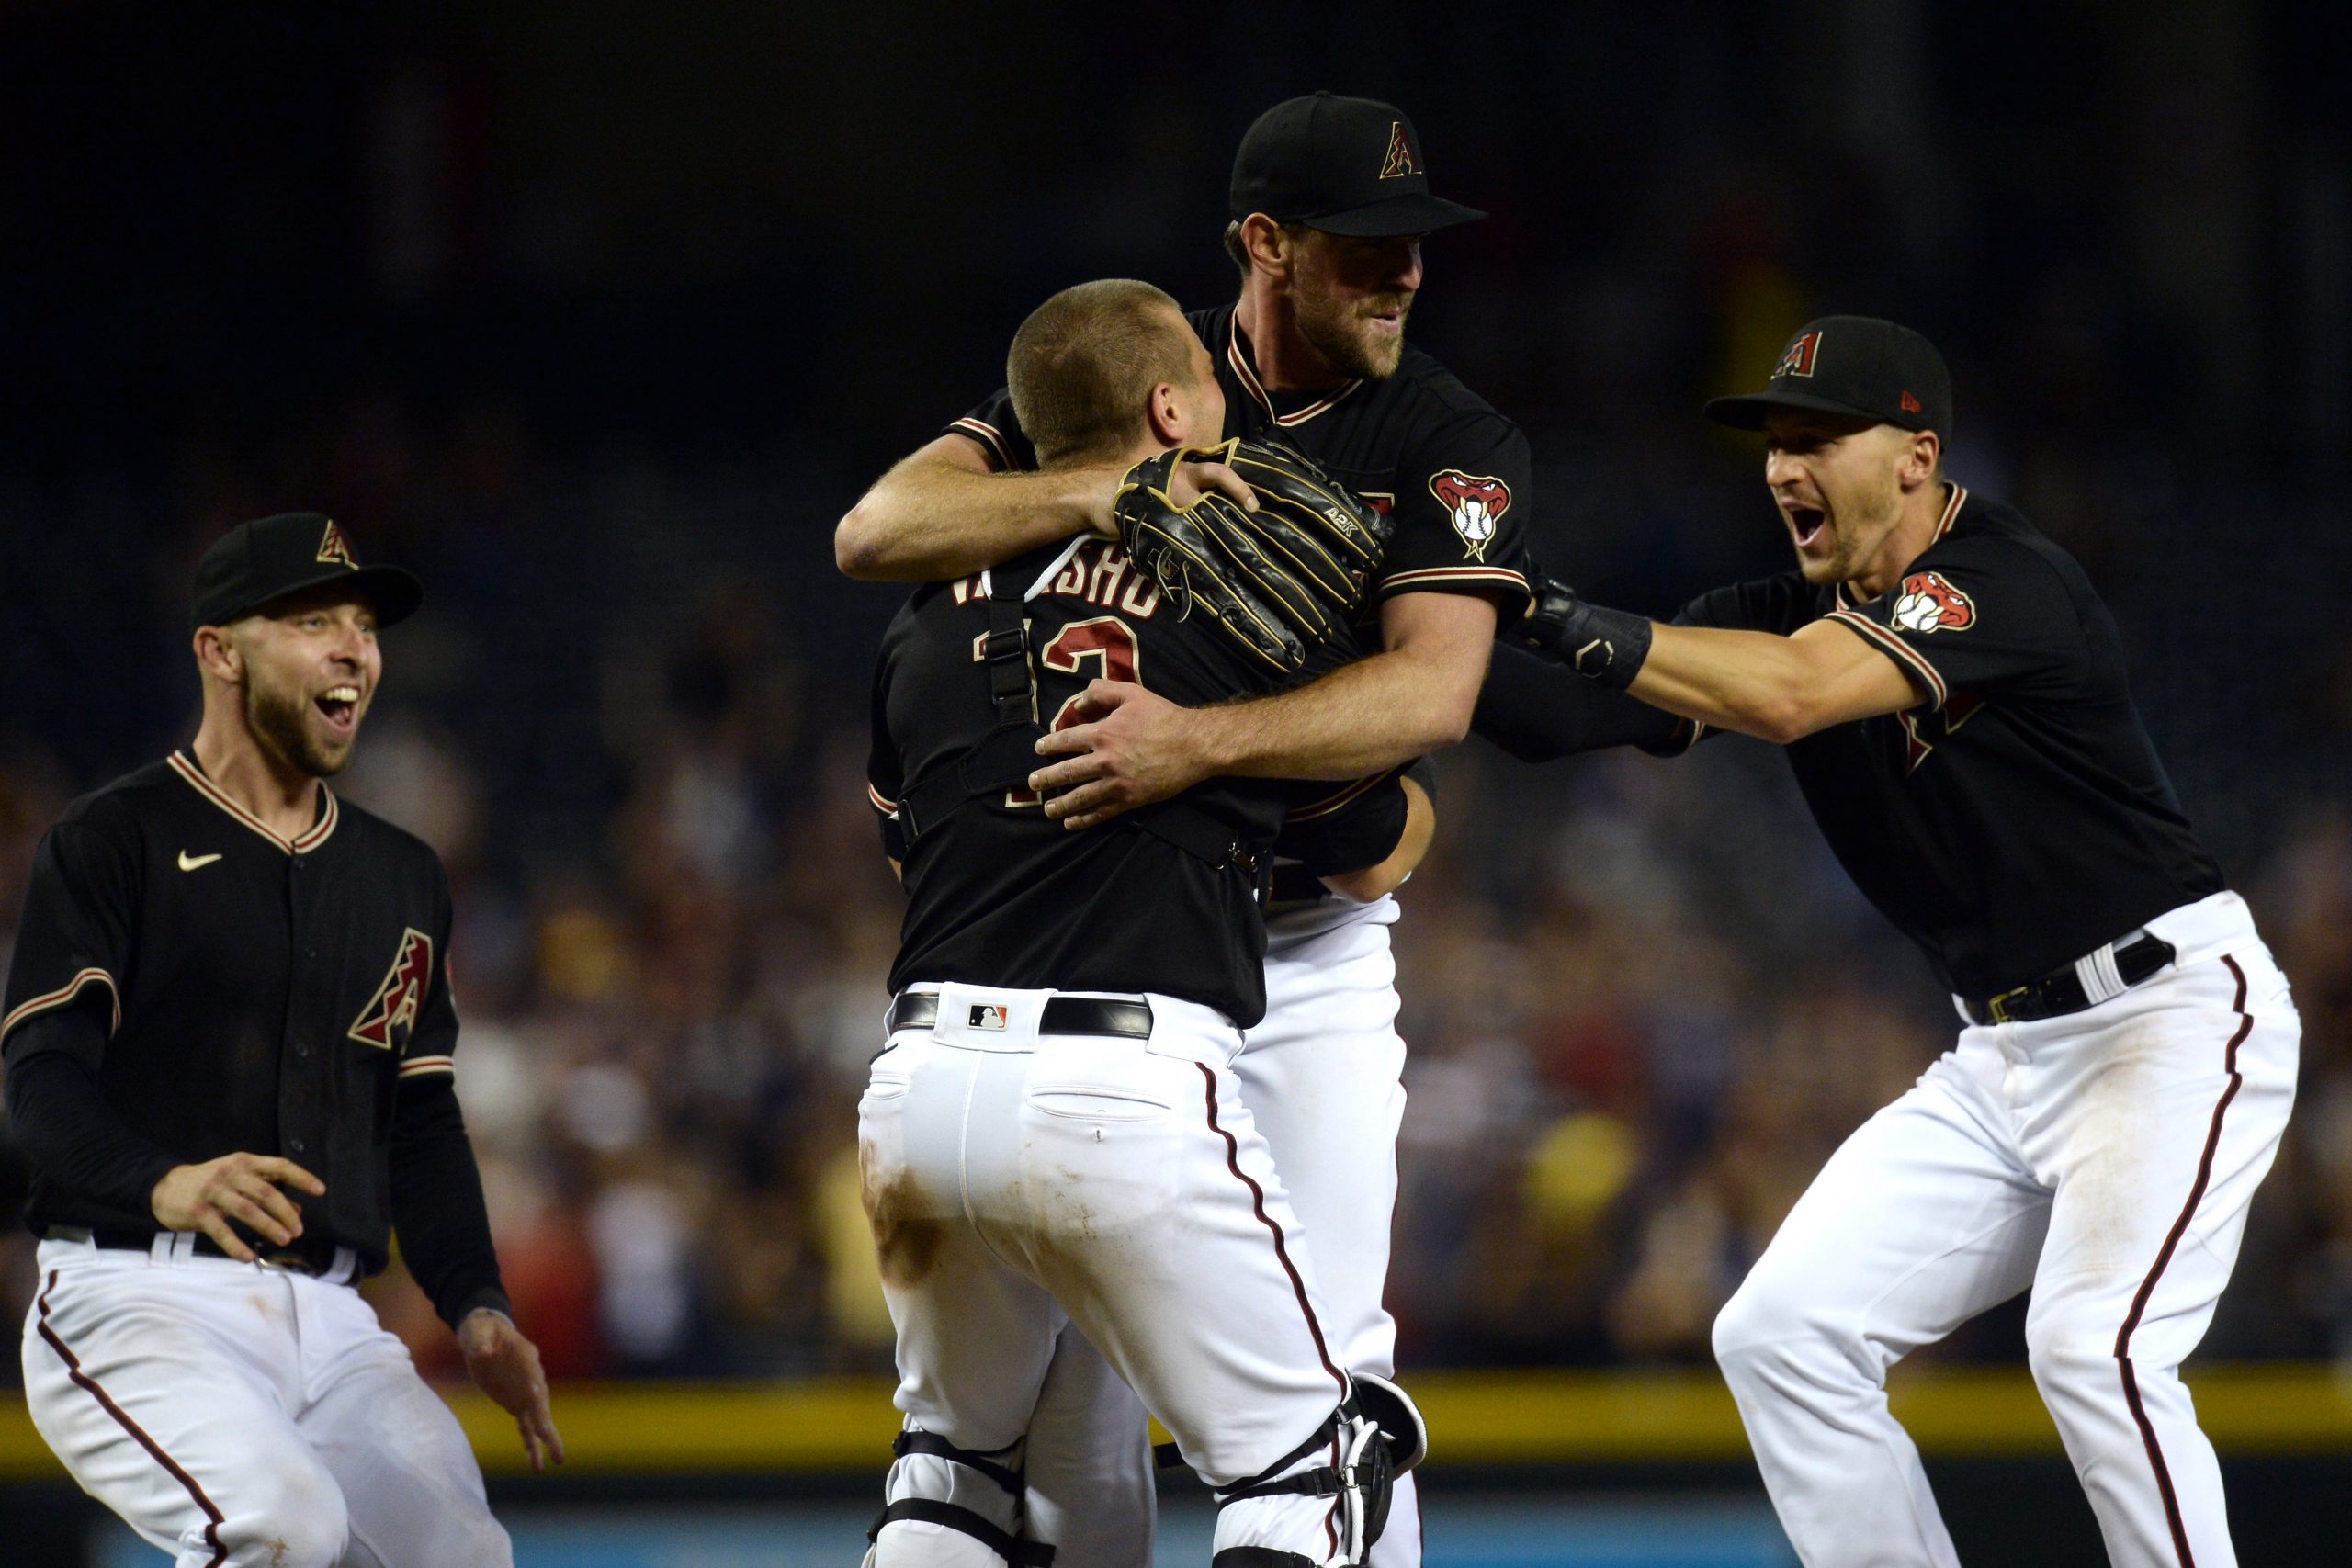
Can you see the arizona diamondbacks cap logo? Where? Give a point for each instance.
(1474, 503)
(391, 1015)
(1400, 160)
(1797, 359)
(1929, 604)
(333, 546)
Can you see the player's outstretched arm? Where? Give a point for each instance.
(1776, 688)
(1413, 698)
(943, 513)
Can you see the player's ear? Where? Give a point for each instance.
(1922, 455)
(219, 656)
(1166, 412)
(1268, 245)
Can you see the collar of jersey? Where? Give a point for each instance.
(1236, 356)
(1943, 526)
(329, 813)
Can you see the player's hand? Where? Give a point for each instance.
(1133, 750)
(239, 1187)
(506, 1366)
(1190, 481)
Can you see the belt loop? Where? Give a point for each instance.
(346, 1266)
(159, 1249)
(2102, 981)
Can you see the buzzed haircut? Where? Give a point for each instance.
(1083, 364)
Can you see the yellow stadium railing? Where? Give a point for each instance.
(1476, 1418)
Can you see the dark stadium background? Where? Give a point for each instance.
(599, 314)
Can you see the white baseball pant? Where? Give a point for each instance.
(1322, 1075)
(244, 1417)
(1020, 1182)
(2105, 1159)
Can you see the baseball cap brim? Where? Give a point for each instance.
(1415, 214)
(394, 592)
(1747, 410)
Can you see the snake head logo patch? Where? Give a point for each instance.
(1798, 357)
(1929, 604)
(1399, 161)
(333, 546)
(1474, 504)
(391, 1015)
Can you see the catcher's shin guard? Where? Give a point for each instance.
(972, 1503)
(1359, 1485)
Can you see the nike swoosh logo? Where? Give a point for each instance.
(192, 862)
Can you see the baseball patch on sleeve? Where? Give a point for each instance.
(1474, 504)
(1930, 604)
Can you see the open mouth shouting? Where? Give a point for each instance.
(339, 706)
(1808, 524)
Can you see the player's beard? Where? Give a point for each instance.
(1340, 331)
(280, 722)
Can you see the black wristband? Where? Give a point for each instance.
(1608, 646)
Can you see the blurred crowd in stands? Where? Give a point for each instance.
(1642, 1004)
(602, 338)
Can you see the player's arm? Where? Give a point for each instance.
(941, 512)
(1777, 688)
(62, 1005)
(1414, 697)
(1540, 712)
(1389, 874)
(443, 1223)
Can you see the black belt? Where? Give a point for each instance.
(1063, 1015)
(2061, 992)
(304, 1256)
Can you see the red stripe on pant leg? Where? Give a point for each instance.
(155, 1449)
(2164, 1258)
(1282, 1251)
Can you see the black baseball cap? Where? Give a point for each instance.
(1852, 364)
(1344, 165)
(257, 563)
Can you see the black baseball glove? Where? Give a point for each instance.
(1285, 582)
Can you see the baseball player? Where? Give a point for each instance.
(1052, 1135)
(1329, 201)
(228, 1037)
(1952, 696)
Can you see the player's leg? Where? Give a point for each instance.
(974, 1338)
(2156, 1125)
(1323, 1075)
(164, 1389)
(1092, 1487)
(1922, 1219)
(1144, 1199)
(410, 1482)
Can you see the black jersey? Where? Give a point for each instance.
(997, 894)
(259, 995)
(2019, 818)
(1419, 446)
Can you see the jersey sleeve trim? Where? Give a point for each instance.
(1450, 578)
(1343, 798)
(418, 1066)
(988, 435)
(881, 802)
(1921, 673)
(64, 996)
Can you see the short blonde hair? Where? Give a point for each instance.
(1083, 366)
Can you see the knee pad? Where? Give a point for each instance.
(978, 1494)
(1362, 1483)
